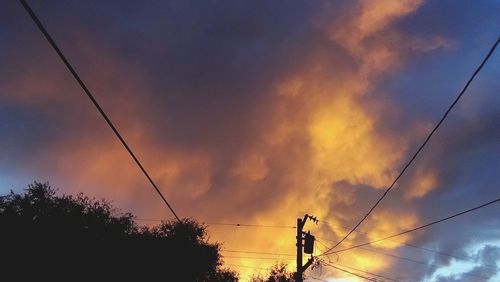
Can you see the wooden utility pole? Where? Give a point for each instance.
(301, 268)
(300, 225)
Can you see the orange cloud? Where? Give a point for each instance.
(384, 223)
(252, 167)
(423, 182)
(317, 129)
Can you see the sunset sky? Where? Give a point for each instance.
(258, 112)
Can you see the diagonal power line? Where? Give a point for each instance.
(492, 49)
(417, 228)
(94, 101)
(317, 279)
(378, 252)
(398, 242)
(352, 268)
(369, 273)
(350, 272)
(401, 258)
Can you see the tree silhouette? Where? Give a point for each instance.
(277, 273)
(70, 237)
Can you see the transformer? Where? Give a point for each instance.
(308, 243)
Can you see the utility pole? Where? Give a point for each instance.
(300, 225)
(300, 246)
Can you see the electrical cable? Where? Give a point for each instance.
(417, 228)
(258, 253)
(417, 261)
(403, 243)
(237, 257)
(246, 266)
(94, 101)
(317, 278)
(369, 273)
(229, 224)
(349, 272)
(421, 146)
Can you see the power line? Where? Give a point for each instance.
(321, 243)
(355, 269)
(421, 146)
(317, 278)
(435, 251)
(259, 253)
(94, 101)
(237, 257)
(245, 266)
(416, 228)
(400, 258)
(326, 247)
(148, 219)
(369, 273)
(417, 261)
(229, 224)
(250, 225)
(405, 244)
(251, 252)
(349, 272)
(262, 268)
(349, 267)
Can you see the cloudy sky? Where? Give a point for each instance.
(257, 112)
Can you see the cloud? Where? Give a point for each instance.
(247, 113)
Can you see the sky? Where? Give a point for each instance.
(258, 112)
